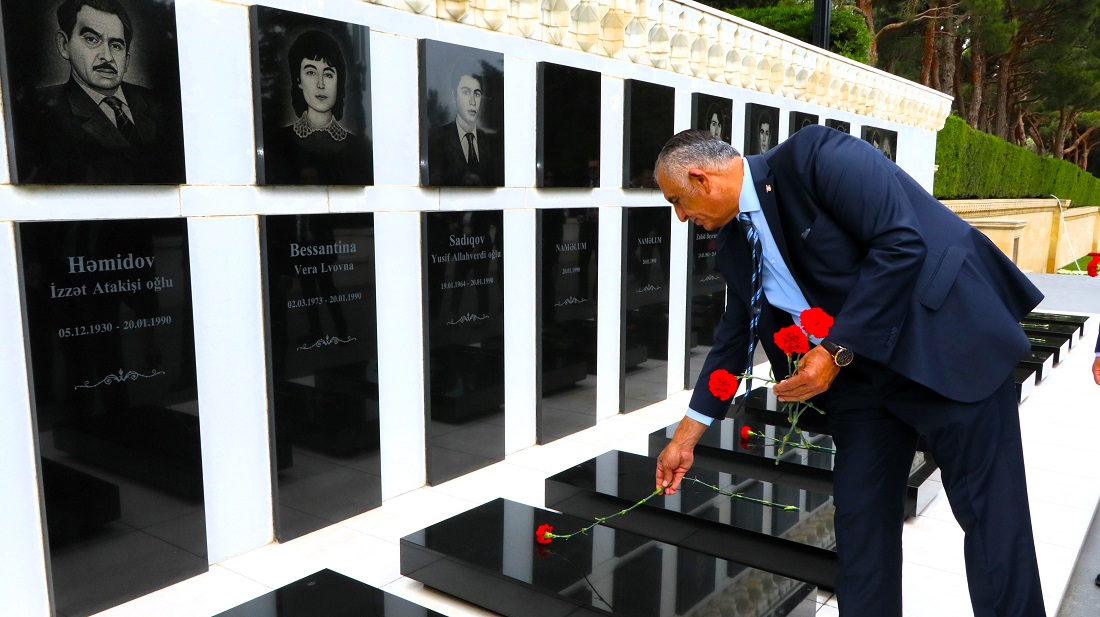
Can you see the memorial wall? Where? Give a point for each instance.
(265, 267)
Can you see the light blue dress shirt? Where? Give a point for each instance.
(779, 285)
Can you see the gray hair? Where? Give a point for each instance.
(695, 148)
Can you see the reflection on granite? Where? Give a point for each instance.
(464, 293)
(1071, 332)
(722, 449)
(568, 250)
(648, 122)
(328, 594)
(799, 544)
(706, 299)
(646, 260)
(488, 556)
(1058, 318)
(111, 337)
(568, 136)
(322, 337)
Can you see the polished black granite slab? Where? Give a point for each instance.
(706, 299)
(722, 449)
(761, 403)
(464, 338)
(112, 356)
(647, 236)
(1039, 360)
(488, 556)
(1024, 378)
(568, 255)
(328, 594)
(323, 344)
(1058, 346)
(799, 544)
(1071, 332)
(648, 122)
(1059, 318)
(567, 136)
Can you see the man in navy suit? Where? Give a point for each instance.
(95, 127)
(459, 152)
(925, 338)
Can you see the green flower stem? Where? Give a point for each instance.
(770, 504)
(601, 520)
(804, 445)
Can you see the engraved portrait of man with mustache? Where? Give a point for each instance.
(97, 126)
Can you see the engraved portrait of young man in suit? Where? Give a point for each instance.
(761, 128)
(461, 116)
(93, 92)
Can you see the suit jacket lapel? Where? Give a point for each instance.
(144, 124)
(766, 189)
(95, 123)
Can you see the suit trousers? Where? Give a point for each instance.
(876, 417)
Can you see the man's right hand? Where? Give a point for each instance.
(1096, 370)
(678, 455)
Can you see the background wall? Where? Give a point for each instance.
(222, 204)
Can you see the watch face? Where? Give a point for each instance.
(844, 357)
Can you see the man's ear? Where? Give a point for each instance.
(699, 179)
(62, 41)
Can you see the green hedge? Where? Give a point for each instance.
(977, 165)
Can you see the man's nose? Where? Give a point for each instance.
(680, 214)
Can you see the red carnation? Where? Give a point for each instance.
(543, 533)
(1093, 263)
(816, 322)
(722, 384)
(791, 340)
(746, 432)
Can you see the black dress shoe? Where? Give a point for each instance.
(1098, 580)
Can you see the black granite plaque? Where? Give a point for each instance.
(1041, 361)
(311, 82)
(463, 259)
(131, 130)
(648, 122)
(488, 556)
(461, 108)
(1058, 346)
(328, 594)
(647, 238)
(112, 356)
(323, 345)
(567, 137)
(883, 140)
(706, 299)
(568, 257)
(1077, 320)
(799, 543)
(713, 114)
(800, 120)
(761, 128)
(723, 449)
(1071, 332)
(840, 125)
(1024, 378)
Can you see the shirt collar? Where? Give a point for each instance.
(98, 97)
(749, 201)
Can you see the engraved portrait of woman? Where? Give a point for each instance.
(314, 101)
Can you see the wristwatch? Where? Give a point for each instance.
(841, 355)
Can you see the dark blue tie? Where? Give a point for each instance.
(757, 280)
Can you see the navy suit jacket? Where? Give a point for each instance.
(911, 285)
